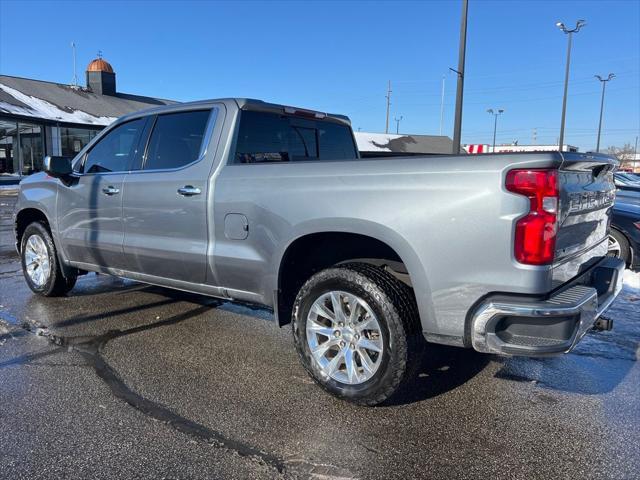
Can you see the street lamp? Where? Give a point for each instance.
(604, 84)
(560, 25)
(495, 114)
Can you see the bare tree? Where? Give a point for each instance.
(624, 154)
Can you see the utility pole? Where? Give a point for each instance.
(398, 120)
(386, 127)
(495, 114)
(635, 154)
(604, 84)
(457, 125)
(442, 106)
(75, 76)
(560, 25)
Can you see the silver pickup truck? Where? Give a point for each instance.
(367, 258)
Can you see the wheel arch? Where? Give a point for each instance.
(30, 214)
(25, 217)
(314, 250)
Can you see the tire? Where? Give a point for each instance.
(390, 302)
(54, 284)
(624, 251)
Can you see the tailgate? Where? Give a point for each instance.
(587, 193)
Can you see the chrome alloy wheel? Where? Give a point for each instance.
(344, 337)
(36, 260)
(614, 248)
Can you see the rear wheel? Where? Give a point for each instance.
(40, 263)
(356, 330)
(619, 246)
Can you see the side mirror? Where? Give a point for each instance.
(57, 167)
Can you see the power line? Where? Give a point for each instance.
(530, 68)
(526, 100)
(512, 87)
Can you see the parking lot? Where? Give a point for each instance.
(124, 380)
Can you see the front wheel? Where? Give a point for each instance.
(356, 330)
(40, 263)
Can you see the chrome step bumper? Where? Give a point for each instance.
(524, 326)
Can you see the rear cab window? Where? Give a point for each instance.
(265, 137)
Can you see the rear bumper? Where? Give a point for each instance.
(511, 325)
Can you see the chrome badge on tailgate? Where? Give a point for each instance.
(581, 201)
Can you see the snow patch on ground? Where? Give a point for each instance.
(632, 281)
(40, 108)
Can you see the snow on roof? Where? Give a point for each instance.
(374, 142)
(39, 108)
(66, 103)
(387, 142)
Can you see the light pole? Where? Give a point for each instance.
(604, 84)
(388, 97)
(457, 124)
(560, 25)
(495, 114)
(398, 120)
(442, 106)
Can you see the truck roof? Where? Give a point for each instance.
(243, 104)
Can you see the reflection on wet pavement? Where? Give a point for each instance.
(124, 380)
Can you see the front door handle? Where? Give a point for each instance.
(189, 190)
(110, 190)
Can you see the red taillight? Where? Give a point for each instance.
(535, 239)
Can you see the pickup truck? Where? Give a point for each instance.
(369, 259)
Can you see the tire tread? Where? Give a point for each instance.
(399, 303)
(59, 285)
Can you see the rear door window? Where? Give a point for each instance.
(176, 139)
(270, 137)
(116, 151)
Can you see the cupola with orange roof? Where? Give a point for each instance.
(101, 78)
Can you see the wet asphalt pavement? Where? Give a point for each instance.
(123, 380)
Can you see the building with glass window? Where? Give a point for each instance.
(39, 118)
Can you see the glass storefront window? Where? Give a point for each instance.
(31, 147)
(22, 146)
(9, 165)
(75, 139)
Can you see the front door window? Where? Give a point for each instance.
(117, 150)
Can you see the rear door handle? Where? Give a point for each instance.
(189, 190)
(110, 190)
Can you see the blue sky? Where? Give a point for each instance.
(338, 56)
